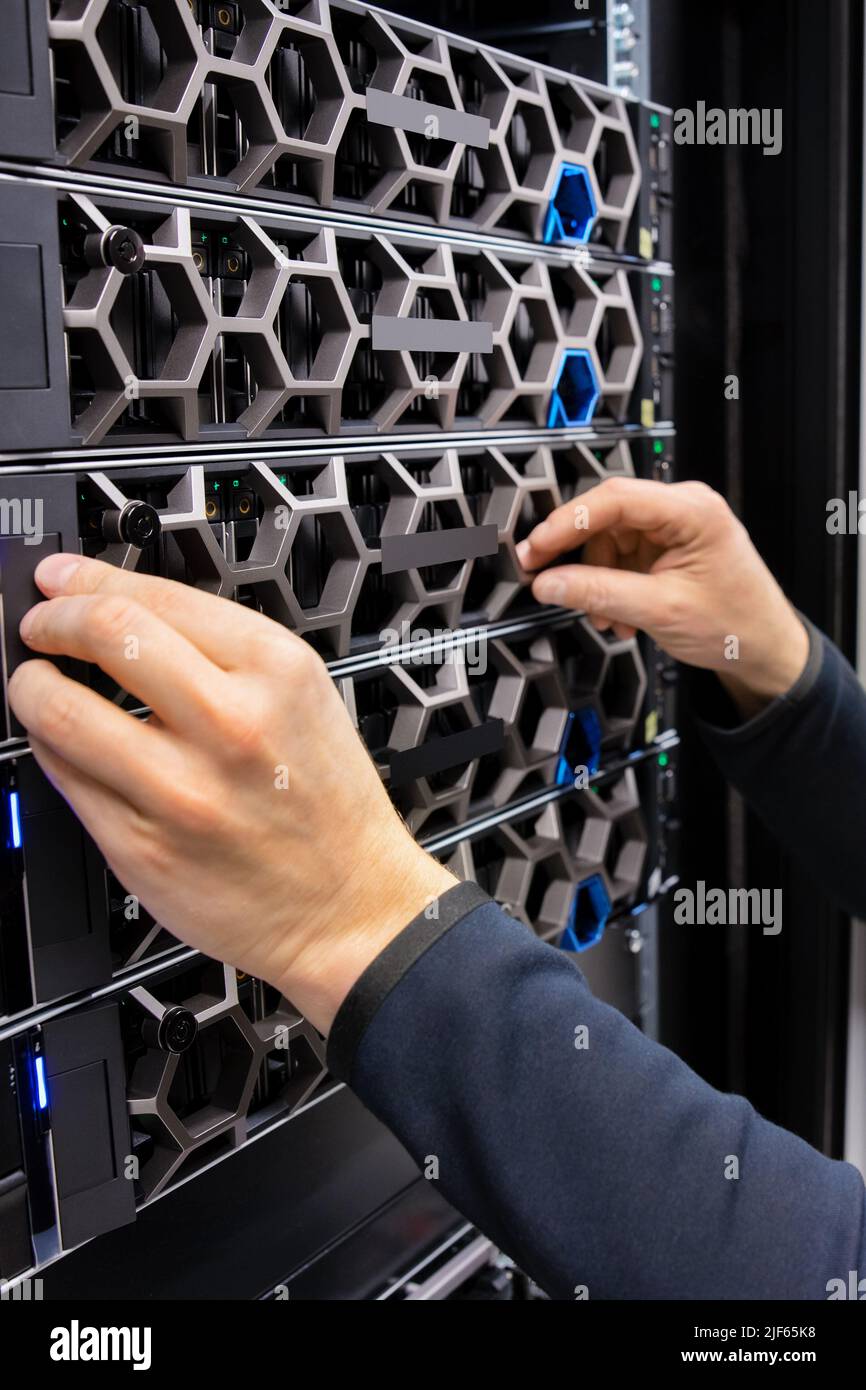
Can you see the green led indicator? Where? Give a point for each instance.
(656, 284)
(658, 446)
(65, 221)
(283, 479)
(204, 236)
(216, 487)
(655, 120)
(663, 760)
(236, 482)
(224, 240)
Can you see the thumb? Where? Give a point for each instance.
(620, 595)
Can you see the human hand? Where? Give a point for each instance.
(245, 814)
(672, 558)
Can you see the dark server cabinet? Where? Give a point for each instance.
(412, 293)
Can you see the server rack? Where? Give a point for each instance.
(320, 309)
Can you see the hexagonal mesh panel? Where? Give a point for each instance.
(608, 669)
(627, 848)
(523, 687)
(421, 725)
(209, 1053)
(564, 870)
(327, 545)
(467, 731)
(452, 737)
(297, 555)
(234, 327)
(263, 96)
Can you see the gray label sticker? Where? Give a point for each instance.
(453, 545)
(430, 335)
(438, 754)
(422, 117)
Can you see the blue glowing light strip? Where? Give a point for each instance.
(15, 819)
(41, 1086)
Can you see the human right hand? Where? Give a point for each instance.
(245, 814)
(672, 559)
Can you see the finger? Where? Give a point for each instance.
(626, 541)
(231, 636)
(106, 817)
(663, 510)
(146, 656)
(601, 550)
(624, 630)
(119, 752)
(615, 595)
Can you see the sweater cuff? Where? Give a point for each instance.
(717, 717)
(372, 988)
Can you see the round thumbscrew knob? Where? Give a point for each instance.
(137, 523)
(176, 1030)
(119, 248)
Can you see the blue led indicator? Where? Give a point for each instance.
(41, 1086)
(572, 210)
(590, 909)
(564, 773)
(576, 392)
(15, 820)
(580, 745)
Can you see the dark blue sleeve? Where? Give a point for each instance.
(593, 1156)
(801, 764)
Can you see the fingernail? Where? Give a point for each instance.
(549, 589)
(28, 622)
(524, 553)
(55, 572)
